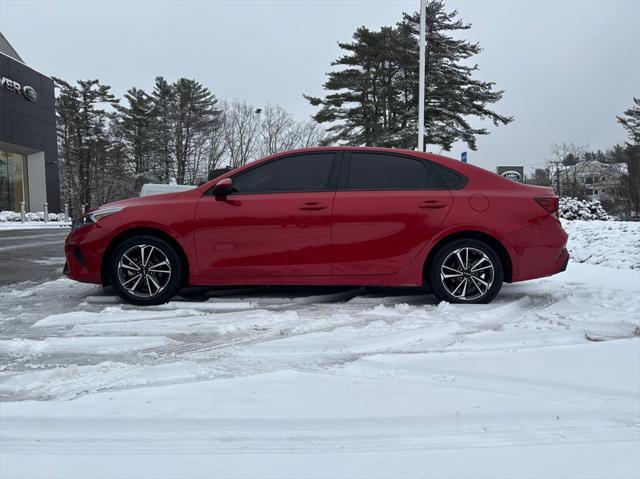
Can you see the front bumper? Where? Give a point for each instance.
(83, 250)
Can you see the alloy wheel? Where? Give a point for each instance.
(467, 273)
(144, 270)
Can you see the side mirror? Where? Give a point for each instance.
(223, 187)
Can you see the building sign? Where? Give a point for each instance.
(13, 86)
(515, 173)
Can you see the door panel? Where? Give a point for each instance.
(386, 208)
(381, 232)
(278, 234)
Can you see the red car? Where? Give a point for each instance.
(327, 216)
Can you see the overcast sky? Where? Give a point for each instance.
(568, 67)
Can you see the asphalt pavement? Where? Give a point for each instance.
(31, 255)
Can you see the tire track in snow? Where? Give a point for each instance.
(209, 436)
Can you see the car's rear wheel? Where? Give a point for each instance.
(466, 271)
(145, 270)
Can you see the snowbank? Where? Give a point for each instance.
(12, 216)
(10, 220)
(614, 244)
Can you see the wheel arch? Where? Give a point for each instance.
(138, 231)
(497, 246)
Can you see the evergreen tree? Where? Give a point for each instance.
(163, 124)
(136, 123)
(373, 99)
(630, 154)
(196, 114)
(630, 120)
(82, 136)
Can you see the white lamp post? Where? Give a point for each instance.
(421, 73)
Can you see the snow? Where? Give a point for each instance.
(82, 345)
(575, 209)
(30, 225)
(323, 383)
(615, 244)
(10, 220)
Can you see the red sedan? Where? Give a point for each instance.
(327, 216)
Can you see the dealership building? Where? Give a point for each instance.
(28, 151)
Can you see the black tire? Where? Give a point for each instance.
(468, 283)
(122, 271)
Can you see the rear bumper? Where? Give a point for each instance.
(539, 250)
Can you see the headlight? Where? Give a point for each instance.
(93, 217)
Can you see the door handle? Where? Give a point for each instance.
(432, 205)
(312, 206)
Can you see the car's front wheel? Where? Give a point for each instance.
(145, 270)
(466, 271)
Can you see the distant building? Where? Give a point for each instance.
(594, 179)
(28, 150)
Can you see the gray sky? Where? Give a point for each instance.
(568, 67)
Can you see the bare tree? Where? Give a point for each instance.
(308, 134)
(275, 130)
(279, 131)
(568, 164)
(241, 127)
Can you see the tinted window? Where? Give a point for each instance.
(447, 178)
(386, 172)
(294, 173)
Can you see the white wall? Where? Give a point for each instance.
(37, 181)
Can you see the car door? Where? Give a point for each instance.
(275, 223)
(386, 208)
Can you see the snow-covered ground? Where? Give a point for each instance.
(615, 244)
(316, 382)
(31, 225)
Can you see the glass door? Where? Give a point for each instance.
(12, 181)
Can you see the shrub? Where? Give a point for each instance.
(12, 216)
(575, 209)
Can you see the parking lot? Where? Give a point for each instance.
(546, 374)
(31, 255)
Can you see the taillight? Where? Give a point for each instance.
(549, 203)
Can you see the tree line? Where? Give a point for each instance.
(179, 132)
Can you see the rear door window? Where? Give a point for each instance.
(373, 171)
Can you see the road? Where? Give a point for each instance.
(31, 255)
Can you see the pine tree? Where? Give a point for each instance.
(373, 99)
(630, 154)
(196, 113)
(163, 124)
(630, 120)
(82, 135)
(136, 123)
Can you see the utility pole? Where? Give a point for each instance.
(421, 73)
